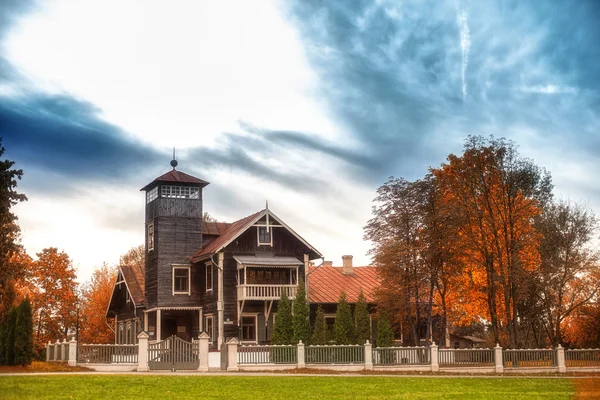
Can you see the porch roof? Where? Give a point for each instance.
(267, 261)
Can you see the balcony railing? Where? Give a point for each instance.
(265, 292)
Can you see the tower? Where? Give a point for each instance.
(173, 226)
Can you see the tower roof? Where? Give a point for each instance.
(175, 176)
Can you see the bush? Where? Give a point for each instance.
(23, 336)
(343, 328)
(301, 320)
(363, 321)
(283, 331)
(385, 333)
(320, 334)
(9, 337)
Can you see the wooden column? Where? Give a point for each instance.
(158, 327)
(220, 298)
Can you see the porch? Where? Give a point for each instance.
(266, 277)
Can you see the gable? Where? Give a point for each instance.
(242, 236)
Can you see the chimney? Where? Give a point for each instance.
(347, 265)
(328, 263)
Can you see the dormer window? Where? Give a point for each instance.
(264, 236)
(179, 192)
(151, 195)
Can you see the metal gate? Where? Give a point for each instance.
(173, 354)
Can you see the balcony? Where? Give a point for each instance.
(265, 292)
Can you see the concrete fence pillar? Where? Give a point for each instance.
(48, 351)
(301, 359)
(435, 363)
(203, 352)
(64, 346)
(72, 352)
(368, 356)
(57, 350)
(498, 361)
(560, 359)
(232, 346)
(142, 351)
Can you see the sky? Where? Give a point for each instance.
(310, 105)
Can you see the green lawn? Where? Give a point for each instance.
(145, 387)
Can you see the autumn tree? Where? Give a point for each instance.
(53, 296)
(134, 257)
(568, 263)
(497, 194)
(10, 271)
(95, 296)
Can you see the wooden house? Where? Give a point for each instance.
(223, 279)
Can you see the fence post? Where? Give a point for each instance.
(142, 352)
(368, 356)
(47, 351)
(301, 353)
(203, 352)
(57, 350)
(72, 352)
(63, 347)
(560, 359)
(232, 346)
(498, 361)
(435, 365)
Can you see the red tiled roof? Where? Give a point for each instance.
(176, 176)
(214, 228)
(134, 278)
(325, 284)
(234, 230)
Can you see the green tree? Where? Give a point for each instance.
(9, 232)
(385, 333)
(23, 344)
(301, 320)
(9, 337)
(283, 331)
(363, 321)
(344, 331)
(320, 334)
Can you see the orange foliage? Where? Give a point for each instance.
(95, 296)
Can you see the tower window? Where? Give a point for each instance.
(151, 195)
(264, 236)
(150, 237)
(181, 280)
(180, 192)
(209, 277)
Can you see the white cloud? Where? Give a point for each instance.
(548, 89)
(465, 46)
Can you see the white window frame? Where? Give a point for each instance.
(206, 280)
(189, 275)
(212, 327)
(179, 192)
(151, 236)
(255, 316)
(270, 243)
(151, 195)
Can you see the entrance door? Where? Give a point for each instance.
(173, 354)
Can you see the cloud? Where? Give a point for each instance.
(465, 46)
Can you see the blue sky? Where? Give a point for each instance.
(308, 104)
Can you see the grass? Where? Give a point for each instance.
(277, 387)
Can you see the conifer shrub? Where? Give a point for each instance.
(301, 321)
(23, 336)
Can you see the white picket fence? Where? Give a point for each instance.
(338, 357)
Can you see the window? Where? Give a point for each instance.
(208, 327)
(264, 236)
(151, 195)
(181, 280)
(248, 328)
(180, 192)
(150, 237)
(209, 277)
